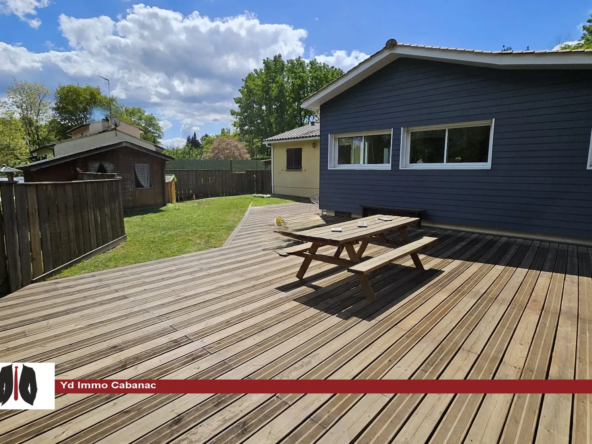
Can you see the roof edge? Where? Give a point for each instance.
(125, 144)
(293, 139)
(498, 59)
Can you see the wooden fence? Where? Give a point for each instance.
(198, 184)
(48, 226)
(238, 166)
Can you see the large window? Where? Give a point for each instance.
(142, 175)
(463, 145)
(294, 159)
(368, 150)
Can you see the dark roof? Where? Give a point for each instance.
(526, 51)
(56, 160)
(311, 131)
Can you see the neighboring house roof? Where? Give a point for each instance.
(311, 131)
(96, 140)
(44, 147)
(82, 125)
(57, 160)
(565, 59)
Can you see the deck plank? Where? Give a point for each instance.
(582, 412)
(555, 420)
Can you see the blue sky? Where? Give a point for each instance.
(184, 60)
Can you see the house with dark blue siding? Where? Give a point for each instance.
(481, 140)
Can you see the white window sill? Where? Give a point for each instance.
(361, 167)
(445, 167)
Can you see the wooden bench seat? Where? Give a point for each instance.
(380, 261)
(363, 268)
(298, 248)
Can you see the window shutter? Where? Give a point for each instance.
(298, 159)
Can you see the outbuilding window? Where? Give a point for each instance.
(101, 167)
(142, 175)
(366, 150)
(294, 159)
(458, 146)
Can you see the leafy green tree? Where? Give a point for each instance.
(13, 149)
(74, 105)
(148, 123)
(30, 101)
(270, 98)
(185, 152)
(585, 40)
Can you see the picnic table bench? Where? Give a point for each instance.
(350, 236)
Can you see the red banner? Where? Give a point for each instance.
(329, 386)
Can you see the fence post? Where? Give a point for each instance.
(11, 236)
(4, 281)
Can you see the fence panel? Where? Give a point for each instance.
(200, 184)
(237, 166)
(45, 227)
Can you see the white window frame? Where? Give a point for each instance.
(404, 163)
(589, 165)
(333, 147)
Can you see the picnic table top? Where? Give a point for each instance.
(350, 231)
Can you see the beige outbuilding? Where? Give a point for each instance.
(295, 161)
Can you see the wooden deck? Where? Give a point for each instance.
(486, 307)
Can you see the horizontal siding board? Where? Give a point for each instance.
(555, 99)
(538, 181)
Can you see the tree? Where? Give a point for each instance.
(30, 102)
(586, 39)
(13, 149)
(76, 105)
(182, 153)
(227, 149)
(270, 98)
(207, 140)
(148, 123)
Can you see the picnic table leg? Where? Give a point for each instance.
(307, 260)
(414, 256)
(364, 282)
(338, 251)
(351, 251)
(366, 287)
(362, 248)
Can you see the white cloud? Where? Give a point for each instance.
(342, 59)
(165, 125)
(175, 142)
(573, 42)
(185, 68)
(23, 9)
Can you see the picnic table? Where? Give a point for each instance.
(352, 235)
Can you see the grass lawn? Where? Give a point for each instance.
(180, 228)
